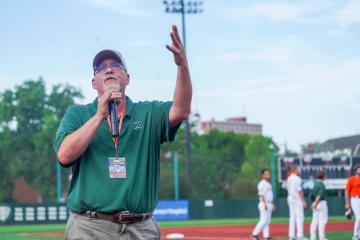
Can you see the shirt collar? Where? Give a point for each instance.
(129, 106)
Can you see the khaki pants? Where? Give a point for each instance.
(82, 227)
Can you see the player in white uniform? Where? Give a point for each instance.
(266, 206)
(319, 207)
(296, 204)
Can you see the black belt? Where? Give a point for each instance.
(120, 218)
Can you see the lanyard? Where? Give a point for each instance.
(122, 114)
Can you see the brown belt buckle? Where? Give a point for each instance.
(124, 217)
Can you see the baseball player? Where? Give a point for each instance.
(296, 204)
(266, 206)
(352, 191)
(319, 207)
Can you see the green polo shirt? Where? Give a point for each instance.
(319, 189)
(145, 126)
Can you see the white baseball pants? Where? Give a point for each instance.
(355, 206)
(319, 220)
(296, 209)
(265, 219)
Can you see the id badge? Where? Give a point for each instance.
(117, 167)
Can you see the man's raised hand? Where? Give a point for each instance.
(177, 48)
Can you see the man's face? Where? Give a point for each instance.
(266, 175)
(358, 171)
(110, 76)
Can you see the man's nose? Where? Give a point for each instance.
(108, 69)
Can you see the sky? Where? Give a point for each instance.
(293, 66)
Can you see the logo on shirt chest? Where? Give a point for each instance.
(137, 125)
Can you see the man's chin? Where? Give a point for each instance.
(112, 84)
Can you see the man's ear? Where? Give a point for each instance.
(128, 79)
(93, 83)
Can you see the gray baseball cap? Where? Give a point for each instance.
(108, 53)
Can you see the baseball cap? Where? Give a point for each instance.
(108, 53)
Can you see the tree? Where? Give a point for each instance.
(217, 158)
(29, 118)
(257, 156)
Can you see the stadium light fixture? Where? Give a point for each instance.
(188, 7)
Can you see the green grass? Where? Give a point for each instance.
(12, 232)
(32, 228)
(336, 235)
(339, 235)
(15, 237)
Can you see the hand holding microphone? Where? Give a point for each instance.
(112, 107)
(107, 105)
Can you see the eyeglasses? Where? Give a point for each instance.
(114, 66)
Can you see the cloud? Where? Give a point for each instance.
(348, 14)
(279, 51)
(341, 13)
(298, 11)
(128, 8)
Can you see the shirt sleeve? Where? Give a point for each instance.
(298, 185)
(161, 118)
(348, 185)
(321, 191)
(261, 190)
(69, 124)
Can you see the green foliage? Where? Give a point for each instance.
(224, 165)
(29, 118)
(257, 155)
(217, 158)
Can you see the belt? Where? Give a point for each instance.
(120, 218)
(355, 196)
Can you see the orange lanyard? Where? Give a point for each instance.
(122, 114)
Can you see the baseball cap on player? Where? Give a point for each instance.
(108, 53)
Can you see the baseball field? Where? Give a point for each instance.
(227, 229)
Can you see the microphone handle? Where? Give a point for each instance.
(114, 119)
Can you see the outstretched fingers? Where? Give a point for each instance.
(171, 49)
(176, 47)
(175, 41)
(176, 35)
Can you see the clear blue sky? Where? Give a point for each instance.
(293, 66)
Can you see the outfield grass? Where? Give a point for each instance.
(14, 232)
(335, 236)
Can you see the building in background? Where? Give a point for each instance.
(350, 142)
(24, 193)
(236, 125)
(336, 157)
(336, 146)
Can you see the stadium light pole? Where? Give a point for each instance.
(191, 7)
(58, 182)
(273, 158)
(176, 175)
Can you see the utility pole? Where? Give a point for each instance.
(58, 183)
(190, 7)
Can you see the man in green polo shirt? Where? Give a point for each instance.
(319, 207)
(115, 182)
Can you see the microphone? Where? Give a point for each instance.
(114, 118)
